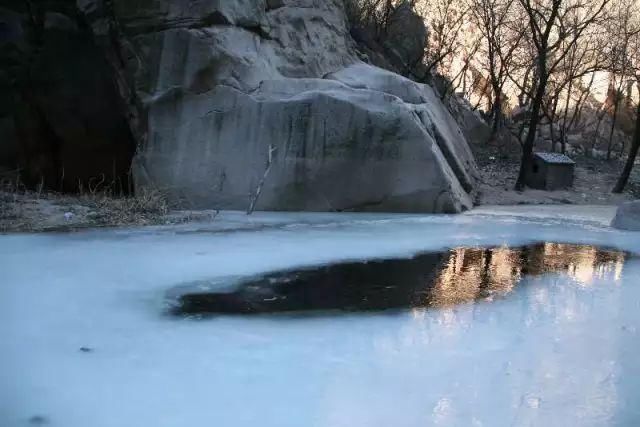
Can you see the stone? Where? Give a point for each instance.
(473, 126)
(344, 135)
(427, 107)
(628, 216)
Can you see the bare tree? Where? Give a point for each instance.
(632, 12)
(633, 152)
(446, 20)
(501, 36)
(584, 59)
(570, 122)
(460, 78)
(620, 30)
(616, 96)
(556, 26)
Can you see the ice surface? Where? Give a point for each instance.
(559, 350)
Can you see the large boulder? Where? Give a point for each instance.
(228, 85)
(628, 216)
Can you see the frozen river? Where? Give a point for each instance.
(514, 332)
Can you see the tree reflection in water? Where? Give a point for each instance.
(441, 279)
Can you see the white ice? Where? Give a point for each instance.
(555, 352)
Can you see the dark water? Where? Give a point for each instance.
(427, 280)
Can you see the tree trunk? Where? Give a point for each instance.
(613, 127)
(524, 97)
(552, 134)
(464, 81)
(563, 130)
(497, 118)
(521, 131)
(633, 152)
(552, 119)
(527, 149)
(577, 112)
(597, 132)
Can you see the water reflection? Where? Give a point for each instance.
(474, 273)
(428, 280)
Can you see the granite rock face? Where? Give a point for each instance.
(224, 83)
(628, 216)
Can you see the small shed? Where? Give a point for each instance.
(550, 171)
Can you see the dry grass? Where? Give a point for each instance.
(37, 210)
(146, 207)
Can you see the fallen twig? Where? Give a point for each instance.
(254, 199)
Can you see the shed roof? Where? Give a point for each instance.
(555, 158)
